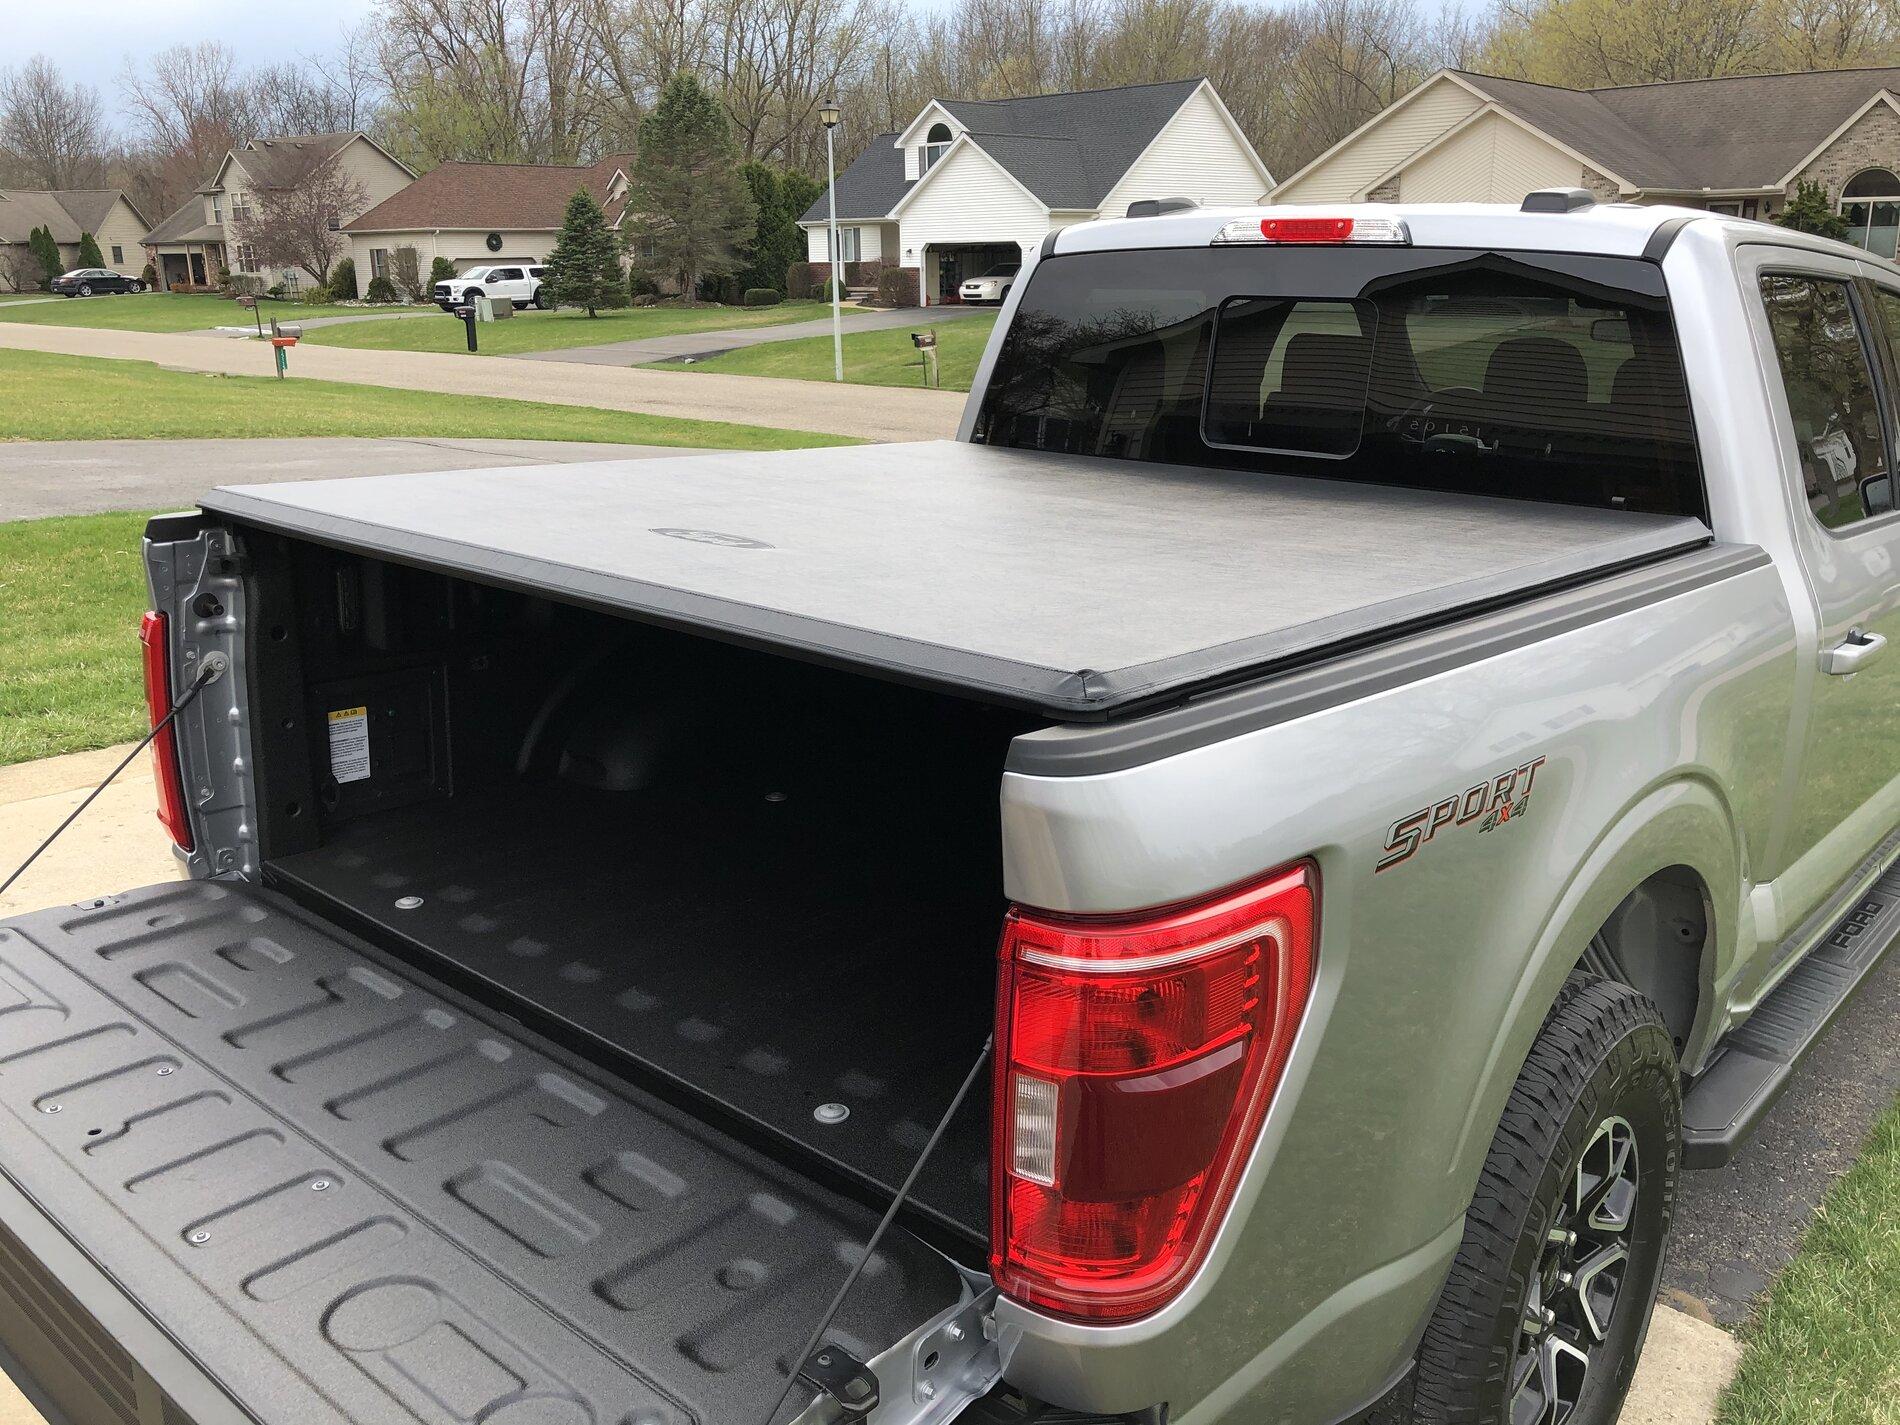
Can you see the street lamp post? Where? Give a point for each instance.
(828, 115)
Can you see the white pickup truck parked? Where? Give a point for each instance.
(518, 282)
(1379, 737)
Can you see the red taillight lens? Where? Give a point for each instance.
(1136, 1059)
(1306, 229)
(155, 645)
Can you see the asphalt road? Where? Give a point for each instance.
(1737, 1226)
(704, 344)
(75, 477)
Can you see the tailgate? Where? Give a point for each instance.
(252, 1169)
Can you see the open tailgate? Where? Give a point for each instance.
(255, 1171)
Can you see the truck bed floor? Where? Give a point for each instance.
(771, 956)
(348, 1196)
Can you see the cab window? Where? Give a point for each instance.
(1821, 349)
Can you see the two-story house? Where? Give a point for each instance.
(970, 183)
(193, 245)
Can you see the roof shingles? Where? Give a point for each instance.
(1068, 150)
(470, 196)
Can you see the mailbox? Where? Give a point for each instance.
(921, 340)
(248, 303)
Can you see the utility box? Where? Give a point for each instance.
(493, 309)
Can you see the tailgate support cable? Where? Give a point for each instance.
(208, 673)
(816, 1373)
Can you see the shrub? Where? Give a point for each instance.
(1809, 211)
(40, 243)
(642, 284)
(440, 270)
(381, 290)
(314, 297)
(242, 284)
(762, 297)
(89, 254)
(277, 289)
(800, 280)
(897, 287)
(343, 280)
(723, 289)
(405, 271)
(150, 277)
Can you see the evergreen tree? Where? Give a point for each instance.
(584, 268)
(40, 243)
(782, 197)
(1809, 211)
(688, 205)
(89, 254)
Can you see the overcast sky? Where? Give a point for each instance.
(89, 39)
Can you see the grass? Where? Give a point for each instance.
(73, 590)
(1824, 1347)
(550, 331)
(881, 358)
(51, 397)
(167, 312)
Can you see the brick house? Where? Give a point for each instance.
(1737, 145)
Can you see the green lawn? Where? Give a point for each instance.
(168, 312)
(1824, 1347)
(53, 397)
(73, 590)
(885, 358)
(548, 331)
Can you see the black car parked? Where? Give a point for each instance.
(94, 281)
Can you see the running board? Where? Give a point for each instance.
(1728, 1101)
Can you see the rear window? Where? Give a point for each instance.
(1534, 376)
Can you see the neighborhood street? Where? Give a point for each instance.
(865, 412)
(78, 477)
(671, 348)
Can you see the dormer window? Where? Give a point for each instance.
(935, 143)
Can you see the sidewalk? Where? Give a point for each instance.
(866, 412)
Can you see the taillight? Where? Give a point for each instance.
(1308, 231)
(155, 645)
(1136, 1059)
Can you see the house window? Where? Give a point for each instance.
(1871, 204)
(378, 262)
(240, 209)
(246, 257)
(850, 244)
(118, 255)
(217, 209)
(935, 142)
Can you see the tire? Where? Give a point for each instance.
(137, 288)
(85, 289)
(1534, 1328)
(468, 297)
(540, 299)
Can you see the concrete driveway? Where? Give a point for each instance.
(78, 477)
(700, 344)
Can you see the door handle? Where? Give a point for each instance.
(1853, 653)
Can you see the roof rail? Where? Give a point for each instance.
(1155, 207)
(1558, 200)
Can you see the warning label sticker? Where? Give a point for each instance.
(349, 744)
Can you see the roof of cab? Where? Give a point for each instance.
(1613, 229)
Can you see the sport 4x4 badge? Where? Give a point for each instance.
(1491, 803)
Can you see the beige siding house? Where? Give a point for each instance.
(106, 213)
(193, 245)
(475, 213)
(971, 183)
(1737, 145)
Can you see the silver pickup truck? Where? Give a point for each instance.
(1377, 744)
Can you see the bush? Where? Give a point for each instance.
(150, 277)
(897, 287)
(381, 290)
(241, 284)
(801, 278)
(89, 254)
(191, 289)
(641, 284)
(277, 289)
(343, 280)
(440, 270)
(314, 297)
(762, 297)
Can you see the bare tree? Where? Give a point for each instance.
(352, 75)
(296, 222)
(54, 130)
(189, 106)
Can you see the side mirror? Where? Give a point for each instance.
(1876, 494)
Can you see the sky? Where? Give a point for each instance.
(90, 39)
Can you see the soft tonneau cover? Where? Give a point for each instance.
(1071, 584)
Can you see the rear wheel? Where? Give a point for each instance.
(85, 289)
(1549, 1300)
(541, 299)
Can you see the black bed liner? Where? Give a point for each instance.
(344, 1196)
(1074, 585)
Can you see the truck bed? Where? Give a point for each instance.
(349, 1196)
(1073, 585)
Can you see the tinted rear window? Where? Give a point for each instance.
(1534, 376)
